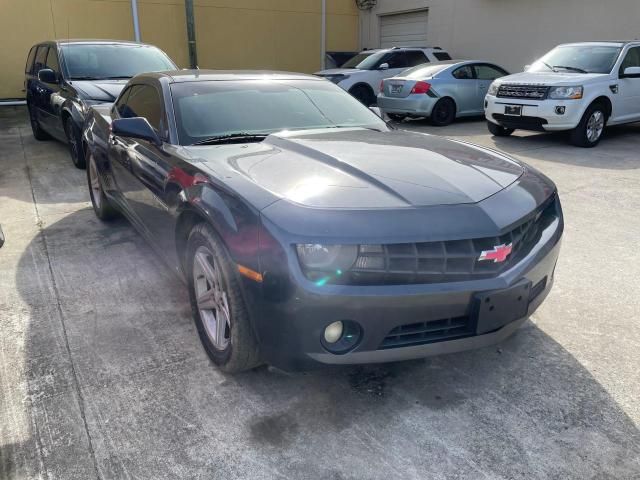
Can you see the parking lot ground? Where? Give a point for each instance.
(102, 374)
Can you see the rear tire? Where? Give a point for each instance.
(444, 112)
(217, 303)
(363, 94)
(38, 133)
(589, 131)
(499, 130)
(102, 207)
(74, 138)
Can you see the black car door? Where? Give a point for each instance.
(51, 99)
(141, 168)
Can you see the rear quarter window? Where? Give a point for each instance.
(442, 56)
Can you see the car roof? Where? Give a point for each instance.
(617, 43)
(179, 76)
(93, 41)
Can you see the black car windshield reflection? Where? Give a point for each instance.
(214, 109)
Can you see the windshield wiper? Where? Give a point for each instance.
(236, 137)
(573, 69)
(117, 77)
(548, 66)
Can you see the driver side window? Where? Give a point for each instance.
(143, 101)
(631, 60)
(396, 60)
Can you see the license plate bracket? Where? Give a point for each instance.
(396, 88)
(495, 309)
(513, 110)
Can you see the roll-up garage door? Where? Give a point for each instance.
(404, 29)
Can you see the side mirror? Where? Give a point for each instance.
(1, 237)
(377, 111)
(46, 75)
(136, 127)
(383, 66)
(632, 72)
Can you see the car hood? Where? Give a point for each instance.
(101, 90)
(338, 71)
(359, 168)
(558, 79)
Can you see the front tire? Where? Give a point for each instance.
(591, 127)
(74, 139)
(102, 207)
(38, 133)
(499, 130)
(444, 112)
(363, 94)
(217, 303)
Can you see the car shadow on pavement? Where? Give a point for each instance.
(111, 376)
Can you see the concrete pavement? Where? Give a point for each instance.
(102, 374)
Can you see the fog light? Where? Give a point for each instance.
(333, 332)
(560, 110)
(341, 337)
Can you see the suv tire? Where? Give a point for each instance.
(74, 138)
(38, 132)
(591, 127)
(498, 130)
(215, 294)
(363, 94)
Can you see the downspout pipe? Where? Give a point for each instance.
(191, 34)
(323, 36)
(136, 20)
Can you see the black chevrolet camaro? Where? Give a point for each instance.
(309, 231)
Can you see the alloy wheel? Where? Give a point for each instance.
(73, 142)
(211, 298)
(595, 126)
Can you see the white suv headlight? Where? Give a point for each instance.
(566, 93)
(493, 89)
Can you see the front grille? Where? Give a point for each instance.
(427, 332)
(531, 92)
(445, 261)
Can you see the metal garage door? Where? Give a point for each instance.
(404, 29)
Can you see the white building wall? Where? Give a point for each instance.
(511, 32)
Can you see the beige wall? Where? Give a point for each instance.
(512, 32)
(273, 34)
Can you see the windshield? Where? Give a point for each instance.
(103, 61)
(215, 108)
(422, 71)
(365, 60)
(578, 58)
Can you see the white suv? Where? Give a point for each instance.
(580, 87)
(361, 76)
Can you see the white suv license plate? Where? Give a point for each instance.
(513, 110)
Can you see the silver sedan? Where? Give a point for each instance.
(441, 91)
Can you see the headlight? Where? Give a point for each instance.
(327, 258)
(493, 89)
(566, 93)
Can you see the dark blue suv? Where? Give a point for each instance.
(64, 78)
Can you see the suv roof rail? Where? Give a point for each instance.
(414, 46)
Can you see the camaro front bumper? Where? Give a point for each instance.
(290, 330)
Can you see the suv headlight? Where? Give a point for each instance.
(326, 258)
(566, 93)
(493, 89)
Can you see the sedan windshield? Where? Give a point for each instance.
(209, 109)
(578, 59)
(104, 61)
(365, 60)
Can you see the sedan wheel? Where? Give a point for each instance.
(211, 298)
(443, 113)
(101, 204)
(217, 302)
